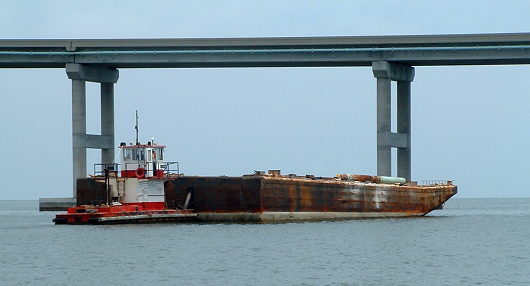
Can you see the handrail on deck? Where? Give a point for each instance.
(170, 169)
(436, 182)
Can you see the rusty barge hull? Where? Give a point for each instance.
(258, 198)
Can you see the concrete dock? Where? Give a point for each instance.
(56, 204)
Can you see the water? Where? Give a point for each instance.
(470, 242)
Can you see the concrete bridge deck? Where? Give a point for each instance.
(420, 50)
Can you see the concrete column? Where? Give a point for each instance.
(107, 121)
(79, 74)
(384, 158)
(404, 127)
(78, 131)
(386, 72)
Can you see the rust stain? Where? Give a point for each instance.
(290, 193)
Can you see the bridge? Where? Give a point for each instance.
(392, 58)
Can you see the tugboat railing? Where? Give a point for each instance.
(129, 168)
(99, 169)
(170, 169)
(436, 182)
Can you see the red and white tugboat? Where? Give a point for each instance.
(137, 195)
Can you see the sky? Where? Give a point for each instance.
(469, 123)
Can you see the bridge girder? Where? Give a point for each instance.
(427, 50)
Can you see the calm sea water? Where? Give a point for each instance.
(470, 242)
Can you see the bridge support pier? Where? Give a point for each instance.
(80, 74)
(386, 72)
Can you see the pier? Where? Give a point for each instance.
(391, 58)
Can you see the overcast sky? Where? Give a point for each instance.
(469, 124)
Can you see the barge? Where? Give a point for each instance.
(148, 189)
(272, 197)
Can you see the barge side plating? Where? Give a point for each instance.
(272, 197)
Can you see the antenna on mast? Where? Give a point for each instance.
(136, 127)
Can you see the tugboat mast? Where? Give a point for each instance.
(136, 127)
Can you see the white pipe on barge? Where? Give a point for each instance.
(372, 179)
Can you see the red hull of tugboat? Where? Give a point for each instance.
(127, 213)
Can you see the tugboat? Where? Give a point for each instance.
(136, 195)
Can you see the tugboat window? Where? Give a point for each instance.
(127, 154)
(159, 154)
